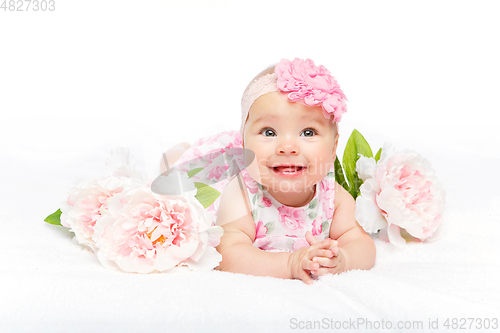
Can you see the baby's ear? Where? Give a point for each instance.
(335, 143)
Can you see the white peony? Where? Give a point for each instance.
(400, 191)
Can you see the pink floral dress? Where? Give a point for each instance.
(277, 227)
(282, 228)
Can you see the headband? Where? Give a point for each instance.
(304, 82)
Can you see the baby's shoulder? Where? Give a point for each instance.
(342, 197)
(234, 203)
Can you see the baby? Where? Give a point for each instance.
(284, 215)
(291, 219)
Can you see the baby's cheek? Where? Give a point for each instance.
(254, 171)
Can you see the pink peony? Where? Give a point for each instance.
(317, 228)
(400, 191)
(292, 218)
(311, 85)
(216, 172)
(89, 200)
(266, 202)
(250, 182)
(144, 232)
(260, 230)
(329, 193)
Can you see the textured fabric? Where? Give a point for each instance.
(206, 153)
(263, 85)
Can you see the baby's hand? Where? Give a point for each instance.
(301, 262)
(333, 262)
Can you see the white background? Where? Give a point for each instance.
(92, 75)
(423, 75)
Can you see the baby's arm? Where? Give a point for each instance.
(237, 250)
(355, 249)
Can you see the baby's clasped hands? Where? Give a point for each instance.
(319, 258)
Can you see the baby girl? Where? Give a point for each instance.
(285, 216)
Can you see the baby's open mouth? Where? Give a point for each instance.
(288, 169)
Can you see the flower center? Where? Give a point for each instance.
(160, 239)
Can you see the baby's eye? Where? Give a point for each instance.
(309, 132)
(268, 132)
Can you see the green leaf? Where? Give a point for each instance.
(193, 172)
(355, 145)
(312, 215)
(54, 218)
(269, 226)
(339, 174)
(377, 157)
(324, 227)
(313, 203)
(206, 195)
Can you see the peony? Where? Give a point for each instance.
(89, 200)
(400, 192)
(292, 218)
(260, 230)
(329, 194)
(145, 232)
(312, 85)
(317, 227)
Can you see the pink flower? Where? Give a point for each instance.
(250, 182)
(216, 172)
(208, 153)
(260, 230)
(144, 232)
(266, 202)
(317, 228)
(312, 85)
(329, 193)
(400, 191)
(236, 141)
(292, 218)
(89, 200)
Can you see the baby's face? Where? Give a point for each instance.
(294, 144)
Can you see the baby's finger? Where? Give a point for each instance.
(335, 250)
(304, 276)
(321, 253)
(310, 238)
(326, 262)
(308, 264)
(325, 244)
(326, 270)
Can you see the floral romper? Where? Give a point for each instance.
(277, 227)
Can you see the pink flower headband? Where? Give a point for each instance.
(306, 83)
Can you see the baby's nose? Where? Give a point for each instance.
(287, 147)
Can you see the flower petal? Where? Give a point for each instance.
(368, 215)
(394, 235)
